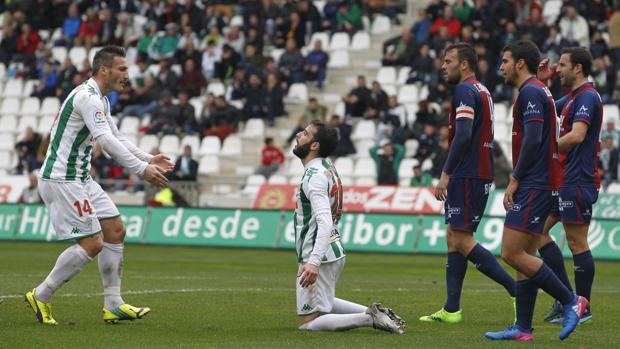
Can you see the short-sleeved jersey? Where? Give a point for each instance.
(535, 104)
(579, 164)
(84, 116)
(472, 102)
(320, 175)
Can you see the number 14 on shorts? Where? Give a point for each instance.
(83, 208)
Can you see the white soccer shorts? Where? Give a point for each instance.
(75, 208)
(319, 297)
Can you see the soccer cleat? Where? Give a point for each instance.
(124, 312)
(587, 317)
(43, 311)
(444, 316)
(515, 333)
(556, 314)
(572, 313)
(514, 307)
(382, 321)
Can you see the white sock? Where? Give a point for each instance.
(69, 263)
(110, 267)
(338, 322)
(342, 306)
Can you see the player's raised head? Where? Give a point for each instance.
(519, 58)
(326, 136)
(575, 62)
(460, 60)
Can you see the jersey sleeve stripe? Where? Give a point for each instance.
(62, 124)
(536, 119)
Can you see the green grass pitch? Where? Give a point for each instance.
(241, 298)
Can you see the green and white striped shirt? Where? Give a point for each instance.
(319, 195)
(84, 116)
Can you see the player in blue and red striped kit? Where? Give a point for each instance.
(466, 179)
(579, 145)
(528, 198)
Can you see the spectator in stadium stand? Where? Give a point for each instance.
(420, 178)
(253, 61)
(448, 21)
(254, 99)
(399, 50)
(143, 99)
(185, 119)
(8, 45)
(27, 44)
(167, 77)
(329, 21)
(239, 84)
(188, 35)
(26, 150)
(296, 30)
(345, 144)
(126, 32)
(274, 95)
(349, 17)
(373, 114)
(66, 74)
(313, 111)
(356, 101)
(145, 41)
(211, 56)
(30, 194)
(554, 44)
(269, 67)
(165, 46)
(162, 116)
(536, 28)
(389, 129)
(235, 38)
(486, 75)
(192, 79)
(316, 65)
(422, 66)
(510, 34)
(213, 35)
(397, 109)
(100, 166)
(615, 90)
(575, 28)
(609, 162)
(70, 27)
(462, 11)
(427, 143)
(378, 97)
(610, 131)
(189, 51)
(292, 63)
(222, 120)
(598, 46)
(185, 168)
(254, 36)
(213, 18)
(440, 40)
(309, 14)
(196, 16)
(225, 68)
(602, 76)
(46, 86)
(439, 157)
(106, 30)
(421, 28)
(272, 159)
(435, 9)
(387, 162)
(89, 29)
(502, 168)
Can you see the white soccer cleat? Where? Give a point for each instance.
(385, 319)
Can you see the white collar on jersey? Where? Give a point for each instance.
(319, 160)
(93, 83)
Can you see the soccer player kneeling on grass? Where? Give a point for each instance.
(79, 208)
(320, 254)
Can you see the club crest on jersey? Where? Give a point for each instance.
(99, 117)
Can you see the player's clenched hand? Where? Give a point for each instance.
(441, 190)
(509, 193)
(155, 175)
(162, 161)
(308, 274)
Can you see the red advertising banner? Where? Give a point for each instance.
(377, 199)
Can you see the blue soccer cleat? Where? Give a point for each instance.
(573, 312)
(514, 333)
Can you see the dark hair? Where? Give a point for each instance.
(268, 140)
(327, 137)
(465, 52)
(580, 55)
(105, 57)
(526, 50)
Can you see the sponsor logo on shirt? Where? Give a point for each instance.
(531, 109)
(516, 207)
(535, 220)
(454, 210)
(564, 204)
(582, 111)
(99, 117)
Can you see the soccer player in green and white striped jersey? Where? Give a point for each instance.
(320, 255)
(79, 208)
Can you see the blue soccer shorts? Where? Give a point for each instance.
(467, 199)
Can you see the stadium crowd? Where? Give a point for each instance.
(179, 50)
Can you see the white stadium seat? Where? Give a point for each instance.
(130, 125)
(256, 180)
(361, 41)
(8, 123)
(210, 145)
(366, 181)
(386, 75)
(13, 88)
(408, 94)
(322, 36)
(365, 129)
(390, 90)
(380, 25)
(295, 169)
(78, 55)
(6, 161)
(277, 179)
(411, 147)
(93, 50)
(339, 41)
(192, 141)
(45, 125)
(10, 106)
(26, 121)
(403, 75)
(28, 87)
(365, 167)
(405, 169)
(276, 53)
(59, 53)
(7, 141)
(298, 92)
(148, 142)
(254, 128)
(50, 106)
(217, 88)
(209, 165)
(232, 146)
(339, 59)
(345, 166)
(30, 106)
(363, 146)
(169, 144)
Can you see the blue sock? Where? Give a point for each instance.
(488, 265)
(584, 273)
(552, 256)
(455, 274)
(548, 282)
(526, 302)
